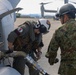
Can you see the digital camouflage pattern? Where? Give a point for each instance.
(65, 38)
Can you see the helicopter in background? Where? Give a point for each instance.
(43, 10)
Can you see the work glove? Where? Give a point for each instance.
(38, 55)
(9, 51)
(52, 61)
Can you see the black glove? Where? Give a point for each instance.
(52, 61)
(9, 51)
(56, 60)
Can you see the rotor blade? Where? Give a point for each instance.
(9, 12)
(45, 3)
(54, 11)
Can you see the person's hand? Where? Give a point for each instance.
(10, 46)
(52, 61)
(8, 51)
(39, 55)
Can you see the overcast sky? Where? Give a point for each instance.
(33, 6)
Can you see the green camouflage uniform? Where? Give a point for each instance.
(24, 39)
(65, 38)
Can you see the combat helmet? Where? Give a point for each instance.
(66, 8)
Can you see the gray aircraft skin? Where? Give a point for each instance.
(7, 13)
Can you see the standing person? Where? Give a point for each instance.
(65, 38)
(28, 38)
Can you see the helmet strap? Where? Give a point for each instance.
(63, 19)
(39, 22)
(37, 26)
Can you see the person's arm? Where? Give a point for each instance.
(40, 47)
(11, 38)
(10, 45)
(39, 52)
(20, 31)
(52, 50)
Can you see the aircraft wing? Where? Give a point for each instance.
(51, 11)
(14, 2)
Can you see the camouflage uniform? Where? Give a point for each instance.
(24, 39)
(65, 38)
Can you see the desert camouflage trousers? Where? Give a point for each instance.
(67, 68)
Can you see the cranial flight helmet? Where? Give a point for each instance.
(43, 25)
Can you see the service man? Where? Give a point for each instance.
(65, 38)
(28, 38)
